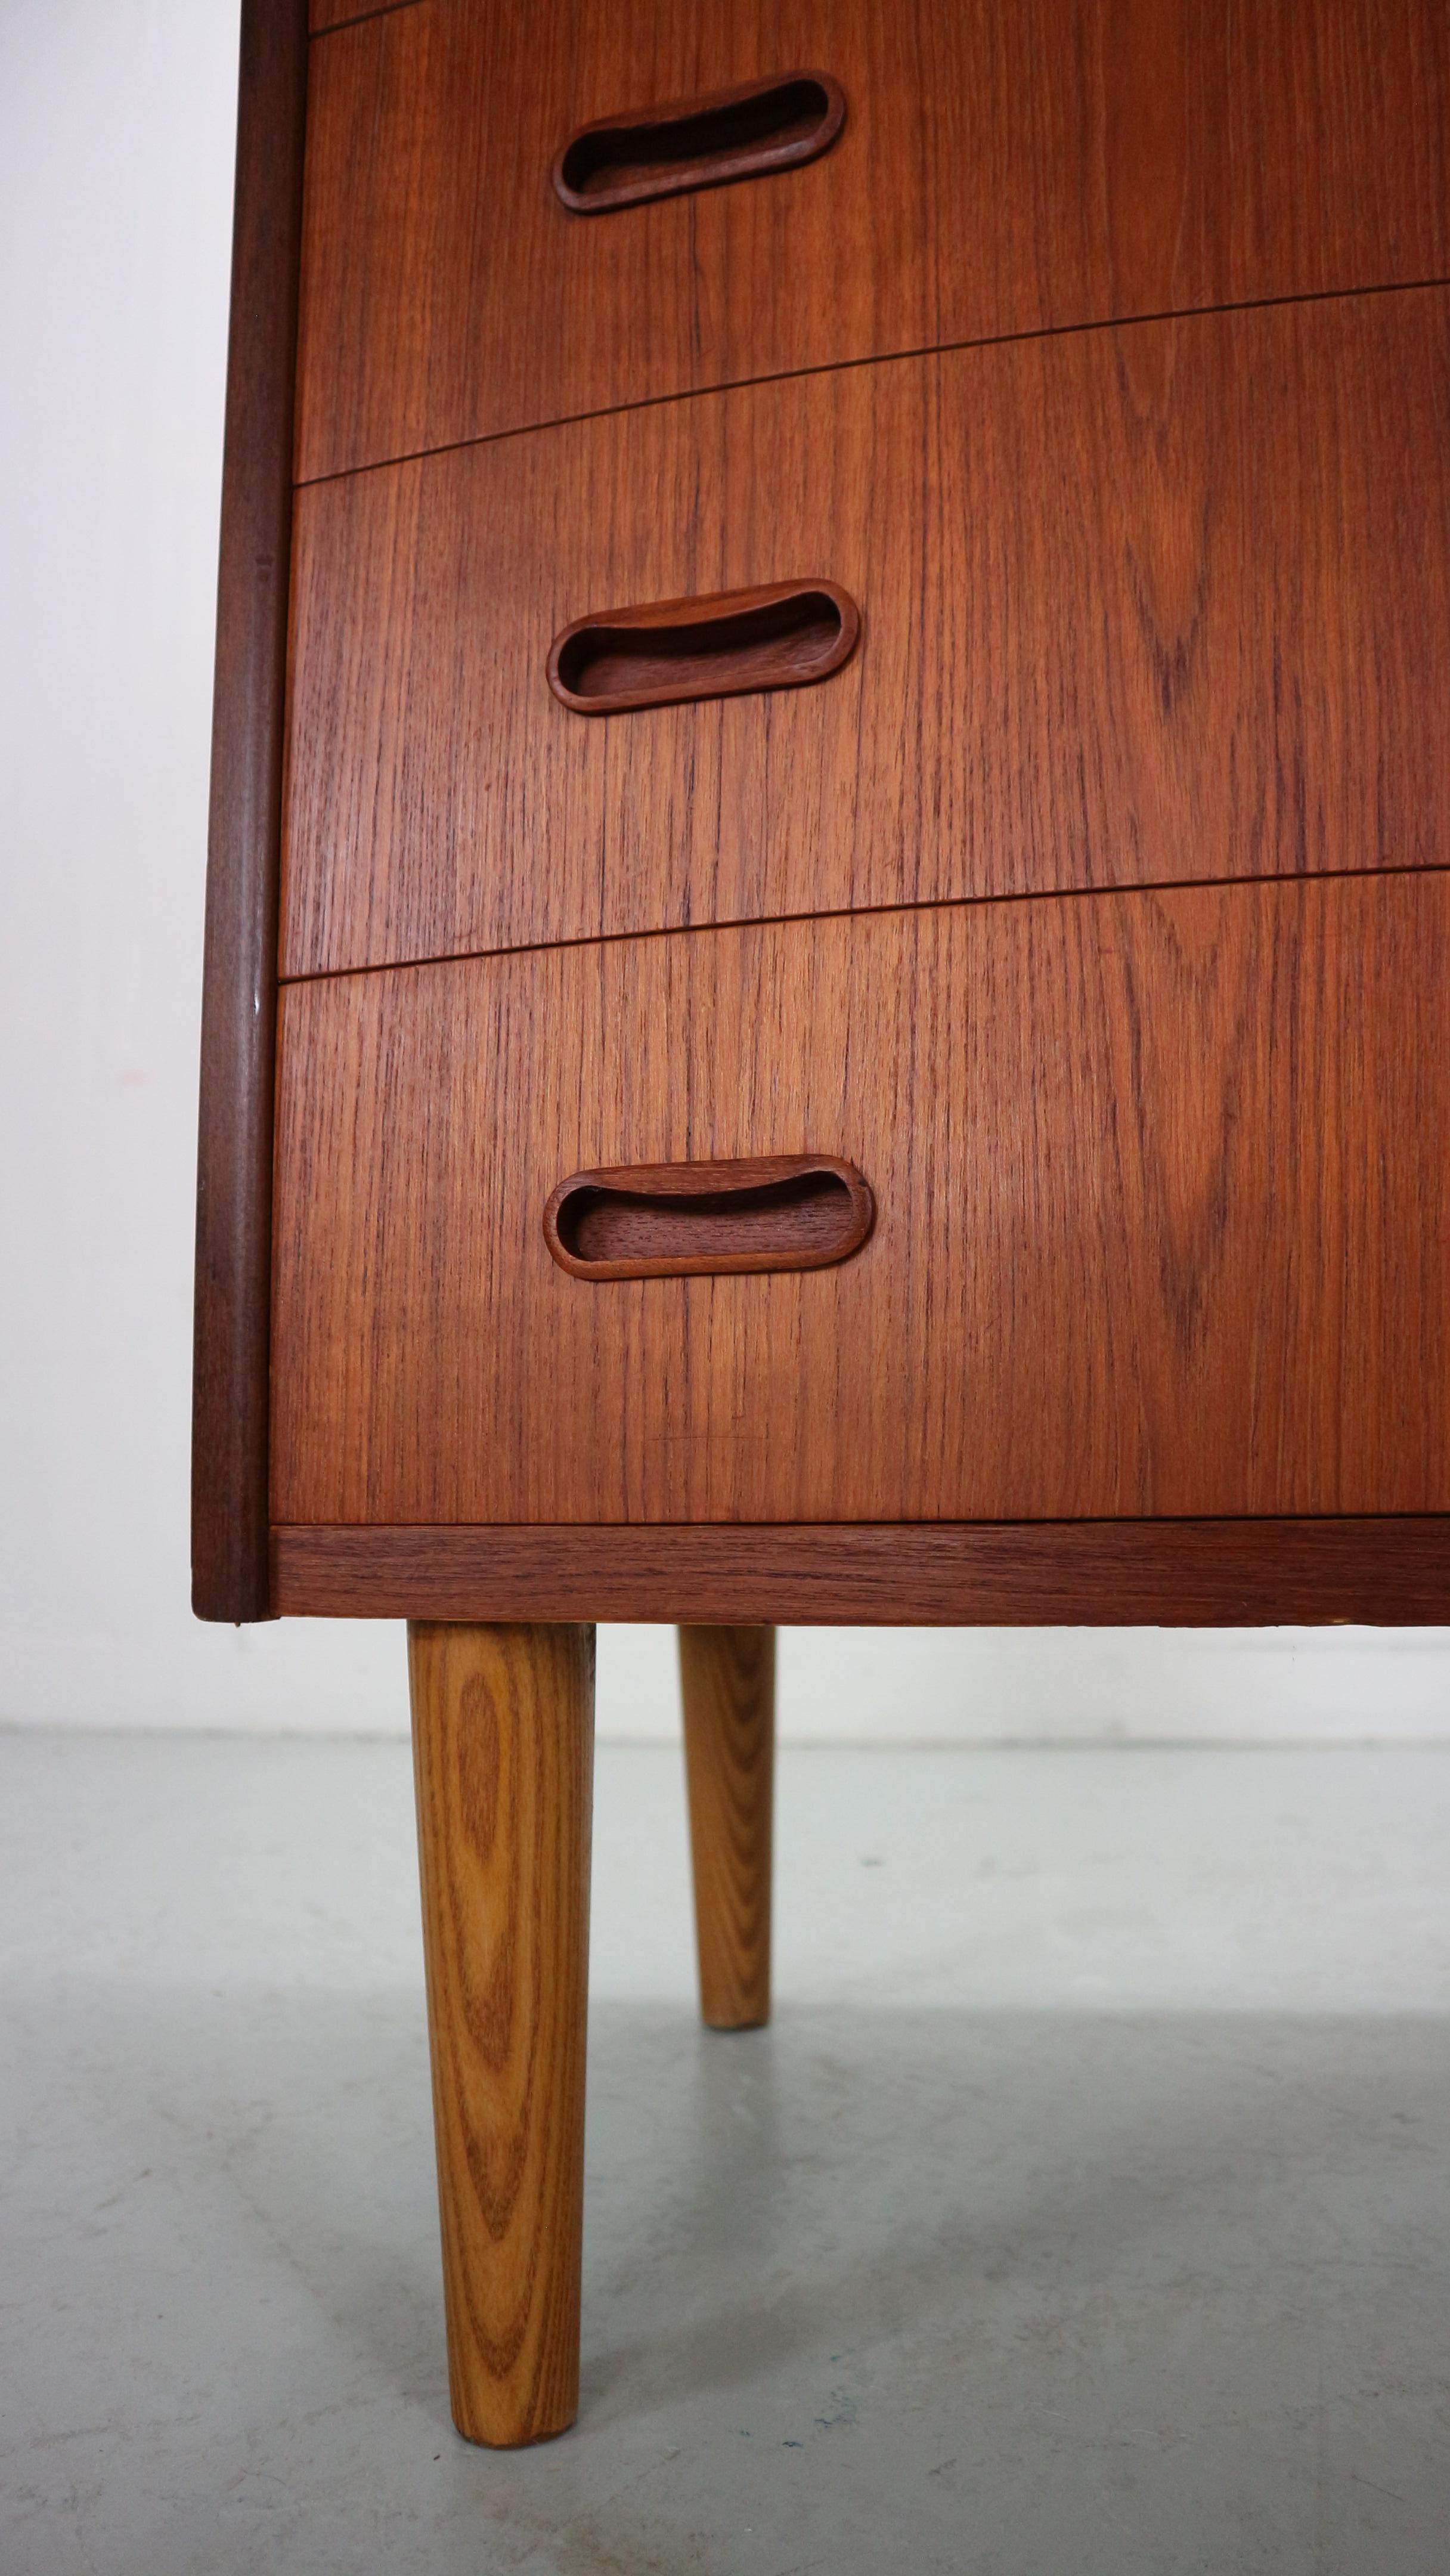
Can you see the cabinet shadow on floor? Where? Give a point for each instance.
(1050, 2270)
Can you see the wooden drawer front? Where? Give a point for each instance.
(1161, 1221)
(1002, 168)
(1162, 603)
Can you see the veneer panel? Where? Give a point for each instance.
(1001, 169)
(1165, 1574)
(1163, 603)
(1160, 1185)
(229, 1577)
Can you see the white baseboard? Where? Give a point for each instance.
(841, 1685)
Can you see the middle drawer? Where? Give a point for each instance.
(1138, 606)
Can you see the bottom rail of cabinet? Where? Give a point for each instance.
(1388, 1571)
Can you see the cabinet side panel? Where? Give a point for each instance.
(234, 1161)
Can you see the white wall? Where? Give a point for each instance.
(115, 204)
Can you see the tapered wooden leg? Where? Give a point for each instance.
(727, 1682)
(503, 1740)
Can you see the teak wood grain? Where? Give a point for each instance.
(239, 968)
(1162, 603)
(1169, 1573)
(1001, 170)
(727, 1692)
(1160, 1184)
(503, 1736)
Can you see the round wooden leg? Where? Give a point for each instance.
(727, 1679)
(503, 1737)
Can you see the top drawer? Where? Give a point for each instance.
(1001, 169)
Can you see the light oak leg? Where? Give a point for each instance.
(503, 1743)
(727, 1683)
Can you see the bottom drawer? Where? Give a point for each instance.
(1160, 1188)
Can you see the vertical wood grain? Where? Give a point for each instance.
(1002, 170)
(1162, 1188)
(503, 1735)
(239, 973)
(727, 1688)
(1142, 605)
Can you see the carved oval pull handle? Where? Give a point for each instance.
(672, 1220)
(734, 642)
(740, 133)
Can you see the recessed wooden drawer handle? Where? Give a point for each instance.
(739, 133)
(667, 1220)
(735, 641)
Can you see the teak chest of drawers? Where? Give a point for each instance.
(829, 902)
